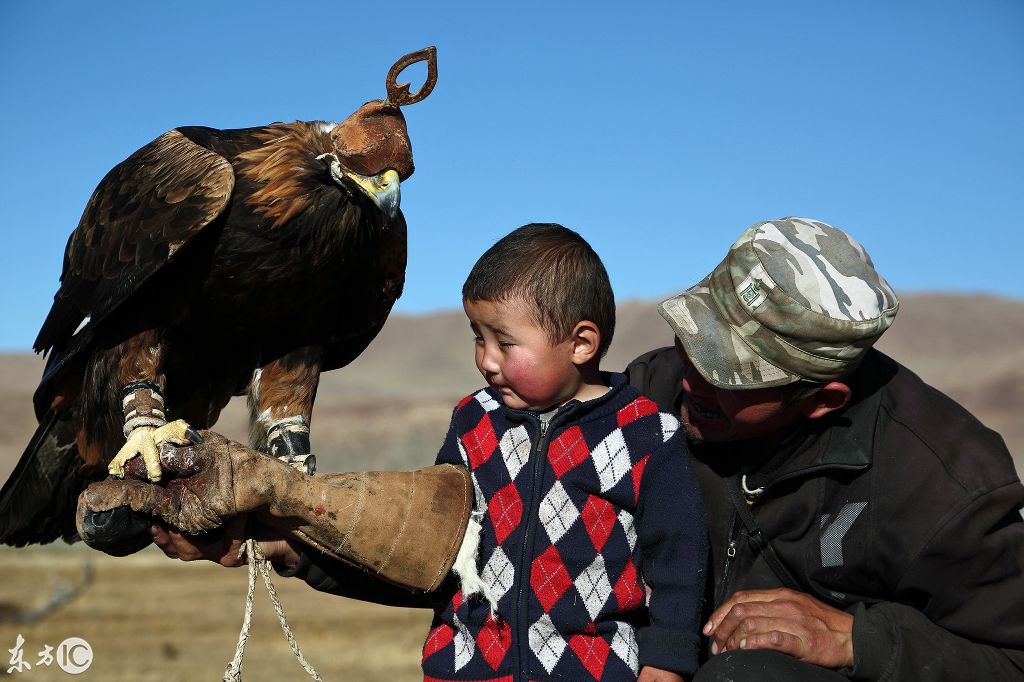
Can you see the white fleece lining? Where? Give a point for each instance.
(466, 564)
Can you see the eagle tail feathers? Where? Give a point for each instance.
(37, 503)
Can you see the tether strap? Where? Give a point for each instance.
(757, 537)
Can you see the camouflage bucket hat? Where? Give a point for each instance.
(794, 299)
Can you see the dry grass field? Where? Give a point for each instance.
(149, 618)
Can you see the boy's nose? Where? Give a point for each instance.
(489, 361)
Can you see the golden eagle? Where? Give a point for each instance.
(213, 263)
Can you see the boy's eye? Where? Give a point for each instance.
(478, 339)
(505, 344)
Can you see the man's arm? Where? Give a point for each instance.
(896, 642)
(405, 527)
(290, 558)
(973, 568)
(972, 624)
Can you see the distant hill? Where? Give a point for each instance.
(969, 346)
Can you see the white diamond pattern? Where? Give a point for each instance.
(462, 451)
(557, 513)
(498, 573)
(624, 646)
(628, 525)
(669, 425)
(545, 642)
(515, 449)
(611, 458)
(464, 645)
(594, 587)
(487, 402)
(480, 502)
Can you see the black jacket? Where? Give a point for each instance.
(902, 509)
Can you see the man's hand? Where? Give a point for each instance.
(202, 501)
(787, 621)
(649, 674)
(224, 545)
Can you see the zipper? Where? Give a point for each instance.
(730, 554)
(528, 533)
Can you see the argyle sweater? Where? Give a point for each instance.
(576, 520)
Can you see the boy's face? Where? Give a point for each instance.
(517, 358)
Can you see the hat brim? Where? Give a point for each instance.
(714, 347)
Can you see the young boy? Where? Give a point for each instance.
(585, 502)
(584, 497)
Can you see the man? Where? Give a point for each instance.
(861, 521)
(863, 525)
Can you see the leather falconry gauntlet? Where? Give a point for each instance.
(405, 527)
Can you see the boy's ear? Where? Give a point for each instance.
(586, 342)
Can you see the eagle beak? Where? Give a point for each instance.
(383, 188)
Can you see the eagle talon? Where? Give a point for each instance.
(144, 441)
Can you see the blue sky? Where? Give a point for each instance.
(659, 132)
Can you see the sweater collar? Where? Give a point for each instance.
(619, 393)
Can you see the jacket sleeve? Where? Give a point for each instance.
(327, 574)
(451, 450)
(972, 625)
(672, 533)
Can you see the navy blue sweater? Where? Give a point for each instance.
(578, 518)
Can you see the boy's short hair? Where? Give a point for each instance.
(552, 268)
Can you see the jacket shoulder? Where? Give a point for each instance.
(919, 415)
(656, 374)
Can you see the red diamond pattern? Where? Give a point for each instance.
(465, 401)
(456, 600)
(494, 640)
(567, 451)
(480, 442)
(548, 578)
(592, 652)
(505, 510)
(627, 588)
(641, 407)
(599, 519)
(439, 638)
(638, 475)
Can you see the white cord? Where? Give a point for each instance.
(747, 491)
(258, 562)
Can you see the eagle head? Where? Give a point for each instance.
(374, 139)
(373, 146)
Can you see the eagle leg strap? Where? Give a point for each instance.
(143, 405)
(288, 440)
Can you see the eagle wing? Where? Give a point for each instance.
(144, 210)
